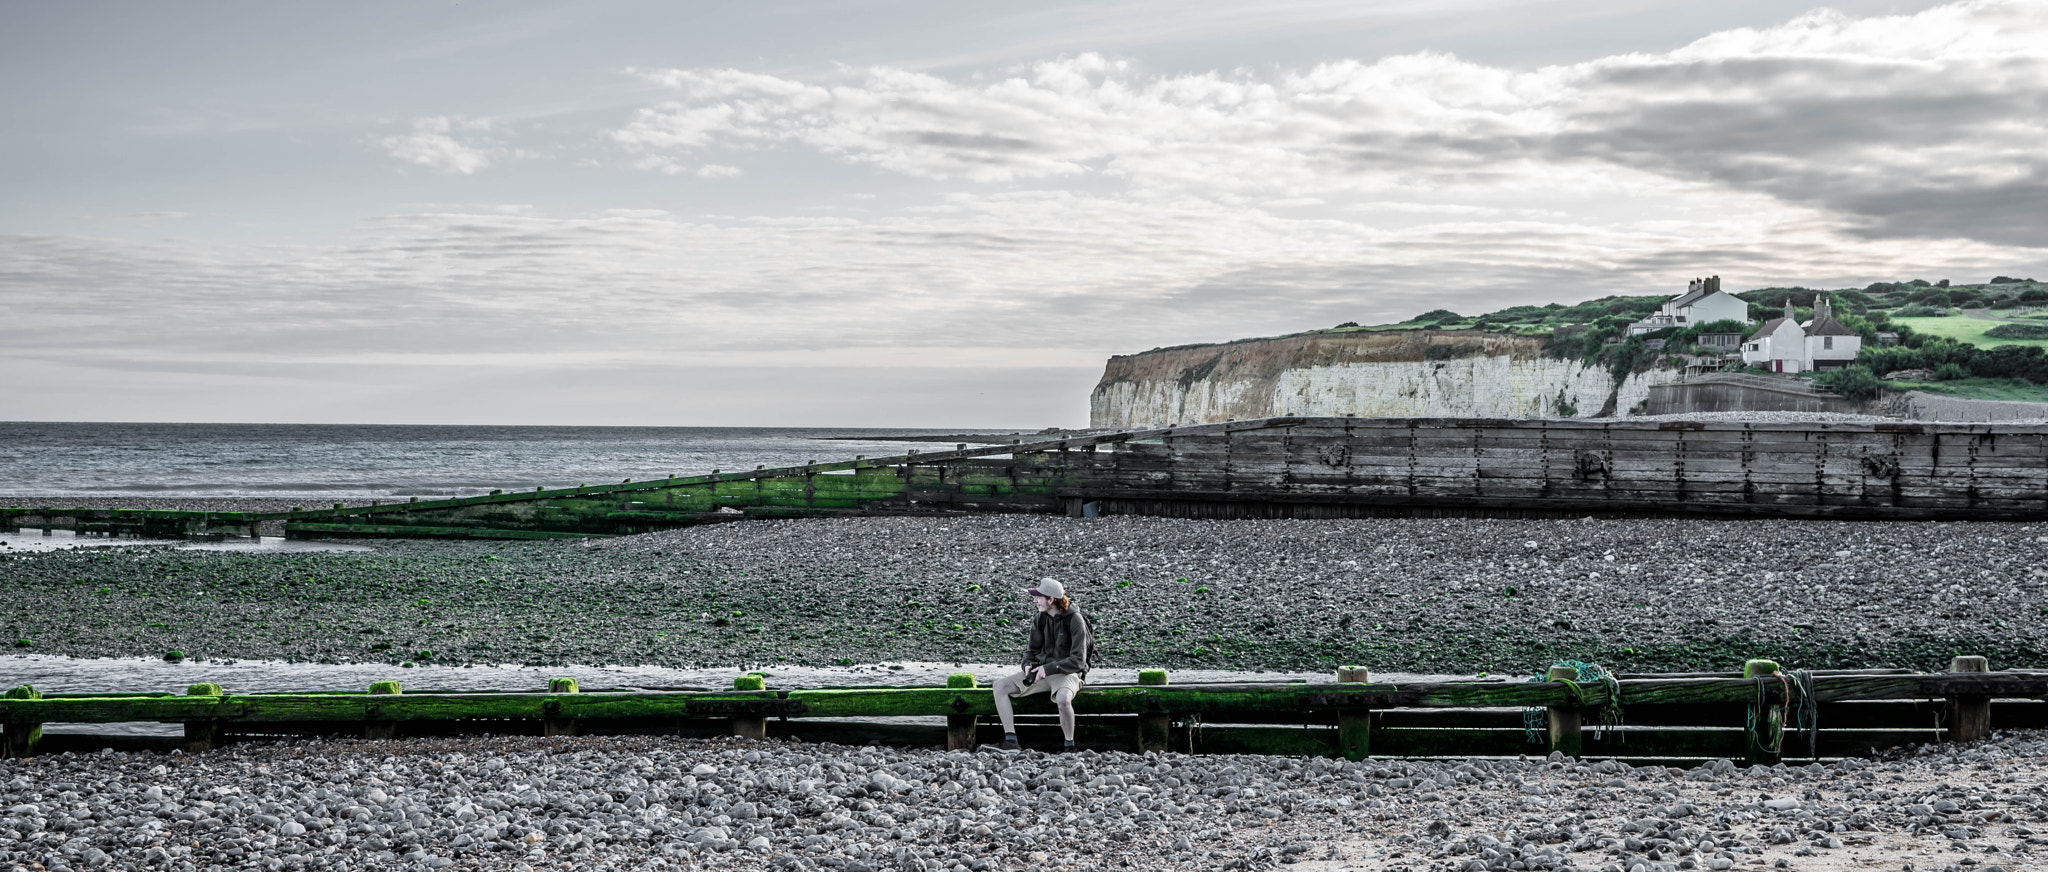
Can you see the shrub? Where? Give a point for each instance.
(2034, 295)
(1345, 324)
(1855, 382)
(2018, 331)
(1921, 312)
(1950, 372)
(1438, 315)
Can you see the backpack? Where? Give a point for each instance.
(1094, 641)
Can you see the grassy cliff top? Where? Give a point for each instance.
(2002, 298)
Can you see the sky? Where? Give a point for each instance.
(935, 214)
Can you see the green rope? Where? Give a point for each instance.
(1809, 711)
(1535, 722)
(1799, 703)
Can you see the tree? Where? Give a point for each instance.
(1855, 382)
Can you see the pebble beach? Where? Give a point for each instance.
(643, 803)
(1444, 595)
(1461, 596)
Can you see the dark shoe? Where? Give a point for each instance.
(1007, 747)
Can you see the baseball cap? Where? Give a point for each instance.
(1047, 587)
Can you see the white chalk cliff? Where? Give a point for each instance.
(1387, 374)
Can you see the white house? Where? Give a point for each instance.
(1702, 302)
(1785, 345)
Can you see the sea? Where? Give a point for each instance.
(338, 462)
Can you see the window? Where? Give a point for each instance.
(1827, 342)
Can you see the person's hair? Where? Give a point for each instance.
(1061, 603)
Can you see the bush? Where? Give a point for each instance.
(2034, 295)
(1725, 325)
(1345, 324)
(2018, 331)
(1438, 316)
(1855, 382)
(1921, 312)
(1950, 372)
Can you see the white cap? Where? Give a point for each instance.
(1048, 588)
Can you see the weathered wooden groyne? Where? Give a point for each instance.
(1271, 468)
(1760, 715)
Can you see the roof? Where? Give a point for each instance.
(1827, 326)
(1768, 328)
(1687, 298)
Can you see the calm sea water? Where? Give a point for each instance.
(339, 462)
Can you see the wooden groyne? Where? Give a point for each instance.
(1762, 715)
(1270, 468)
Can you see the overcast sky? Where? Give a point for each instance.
(935, 213)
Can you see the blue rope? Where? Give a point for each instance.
(1535, 721)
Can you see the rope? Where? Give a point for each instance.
(1809, 712)
(1777, 740)
(1535, 721)
(1799, 703)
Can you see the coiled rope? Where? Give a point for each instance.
(1535, 721)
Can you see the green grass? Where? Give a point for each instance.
(1978, 389)
(1963, 329)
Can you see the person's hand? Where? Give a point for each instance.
(1037, 674)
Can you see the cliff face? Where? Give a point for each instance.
(1390, 374)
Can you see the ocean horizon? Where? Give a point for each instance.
(383, 461)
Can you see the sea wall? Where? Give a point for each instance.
(1390, 374)
(1923, 406)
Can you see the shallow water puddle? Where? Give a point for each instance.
(30, 540)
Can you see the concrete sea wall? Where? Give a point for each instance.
(1392, 374)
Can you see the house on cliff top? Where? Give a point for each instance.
(1702, 302)
(1784, 345)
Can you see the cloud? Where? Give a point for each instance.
(433, 143)
(1924, 125)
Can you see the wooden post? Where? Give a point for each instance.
(1354, 726)
(1767, 721)
(20, 739)
(1969, 715)
(378, 729)
(960, 728)
(1564, 719)
(1154, 731)
(202, 736)
(560, 726)
(750, 728)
